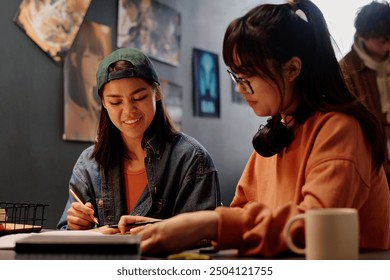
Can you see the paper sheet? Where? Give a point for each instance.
(8, 241)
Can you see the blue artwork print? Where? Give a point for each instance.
(206, 84)
(208, 81)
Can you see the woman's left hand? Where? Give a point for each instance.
(178, 233)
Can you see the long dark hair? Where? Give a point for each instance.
(109, 149)
(276, 33)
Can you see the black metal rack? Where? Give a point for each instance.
(22, 217)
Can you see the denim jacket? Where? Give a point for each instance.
(181, 178)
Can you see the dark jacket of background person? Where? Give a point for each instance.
(366, 67)
(362, 82)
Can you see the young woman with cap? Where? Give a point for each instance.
(140, 164)
(321, 148)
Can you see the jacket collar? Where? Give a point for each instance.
(155, 147)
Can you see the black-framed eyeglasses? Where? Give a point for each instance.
(246, 85)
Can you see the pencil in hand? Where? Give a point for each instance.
(79, 200)
(136, 224)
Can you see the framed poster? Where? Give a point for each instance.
(151, 27)
(52, 25)
(173, 100)
(205, 71)
(81, 101)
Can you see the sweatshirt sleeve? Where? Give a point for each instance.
(255, 230)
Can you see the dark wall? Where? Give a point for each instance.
(36, 163)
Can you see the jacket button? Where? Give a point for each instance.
(100, 203)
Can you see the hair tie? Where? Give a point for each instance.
(301, 14)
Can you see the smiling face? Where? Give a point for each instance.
(131, 106)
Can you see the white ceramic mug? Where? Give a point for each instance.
(330, 234)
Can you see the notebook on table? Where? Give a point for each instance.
(78, 245)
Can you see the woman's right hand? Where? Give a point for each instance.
(80, 216)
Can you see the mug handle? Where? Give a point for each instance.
(288, 238)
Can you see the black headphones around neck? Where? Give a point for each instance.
(271, 138)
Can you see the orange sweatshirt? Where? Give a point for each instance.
(328, 164)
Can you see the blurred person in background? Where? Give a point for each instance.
(367, 66)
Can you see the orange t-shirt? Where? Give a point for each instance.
(135, 183)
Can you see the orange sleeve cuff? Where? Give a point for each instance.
(230, 228)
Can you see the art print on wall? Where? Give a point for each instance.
(151, 27)
(206, 95)
(173, 100)
(52, 25)
(81, 101)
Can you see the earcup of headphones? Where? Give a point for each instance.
(272, 138)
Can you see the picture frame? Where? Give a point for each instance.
(151, 27)
(82, 104)
(206, 88)
(173, 100)
(52, 25)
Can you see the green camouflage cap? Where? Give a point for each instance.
(142, 67)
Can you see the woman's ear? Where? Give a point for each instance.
(292, 68)
(103, 102)
(158, 93)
